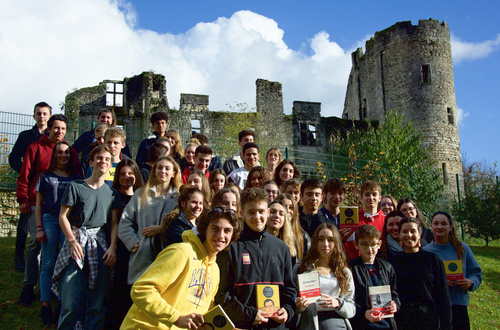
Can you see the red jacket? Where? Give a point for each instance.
(187, 171)
(378, 222)
(36, 161)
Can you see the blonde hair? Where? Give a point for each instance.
(153, 181)
(295, 225)
(178, 144)
(285, 232)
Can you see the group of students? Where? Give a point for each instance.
(157, 242)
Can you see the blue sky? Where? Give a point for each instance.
(220, 48)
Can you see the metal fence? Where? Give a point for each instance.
(311, 164)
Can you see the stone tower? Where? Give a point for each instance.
(408, 68)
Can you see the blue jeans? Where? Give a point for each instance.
(79, 302)
(49, 253)
(32, 253)
(21, 236)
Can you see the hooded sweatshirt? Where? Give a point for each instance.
(180, 281)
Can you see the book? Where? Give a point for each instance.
(349, 217)
(309, 286)
(380, 297)
(268, 298)
(454, 269)
(216, 318)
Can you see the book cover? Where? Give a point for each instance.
(268, 298)
(349, 217)
(309, 286)
(454, 269)
(215, 319)
(380, 297)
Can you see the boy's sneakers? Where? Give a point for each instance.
(46, 315)
(27, 296)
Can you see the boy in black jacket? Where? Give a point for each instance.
(368, 270)
(256, 258)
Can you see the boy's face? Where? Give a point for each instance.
(368, 248)
(42, 115)
(334, 199)
(101, 162)
(99, 137)
(251, 156)
(57, 131)
(115, 144)
(202, 162)
(311, 198)
(218, 236)
(255, 215)
(294, 192)
(370, 199)
(160, 126)
(244, 140)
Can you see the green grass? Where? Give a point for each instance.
(483, 308)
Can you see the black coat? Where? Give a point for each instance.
(362, 282)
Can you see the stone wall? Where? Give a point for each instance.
(408, 68)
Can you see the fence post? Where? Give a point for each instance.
(460, 208)
(286, 153)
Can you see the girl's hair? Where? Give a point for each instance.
(178, 150)
(274, 150)
(412, 220)
(135, 169)
(291, 182)
(384, 247)
(214, 174)
(153, 181)
(296, 172)
(217, 199)
(295, 225)
(217, 213)
(264, 176)
(236, 189)
(53, 163)
(393, 200)
(452, 235)
(205, 188)
(409, 200)
(286, 233)
(338, 260)
(185, 193)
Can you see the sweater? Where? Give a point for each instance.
(422, 280)
(256, 258)
(182, 280)
(135, 217)
(36, 161)
(471, 270)
(377, 220)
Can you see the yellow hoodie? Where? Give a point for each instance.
(180, 281)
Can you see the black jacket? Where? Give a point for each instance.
(267, 261)
(22, 143)
(362, 282)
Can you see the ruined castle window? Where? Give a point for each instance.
(426, 74)
(307, 134)
(449, 112)
(445, 173)
(195, 126)
(114, 94)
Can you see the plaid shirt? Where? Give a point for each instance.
(89, 239)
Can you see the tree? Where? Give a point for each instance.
(479, 209)
(393, 154)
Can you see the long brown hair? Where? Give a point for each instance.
(338, 260)
(295, 224)
(385, 246)
(153, 180)
(286, 233)
(205, 188)
(296, 171)
(53, 164)
(178, 150)
(452, 235)
(135, 169)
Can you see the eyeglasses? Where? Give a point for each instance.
(386, 204)
(220, 209)
(373, 245)
(411, 208)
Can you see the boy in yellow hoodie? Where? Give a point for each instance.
(180, 285)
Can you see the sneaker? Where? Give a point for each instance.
(27, 296)
(46, 315)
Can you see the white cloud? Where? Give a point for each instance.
(462, 114)
(48, 48)
(463, 51)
